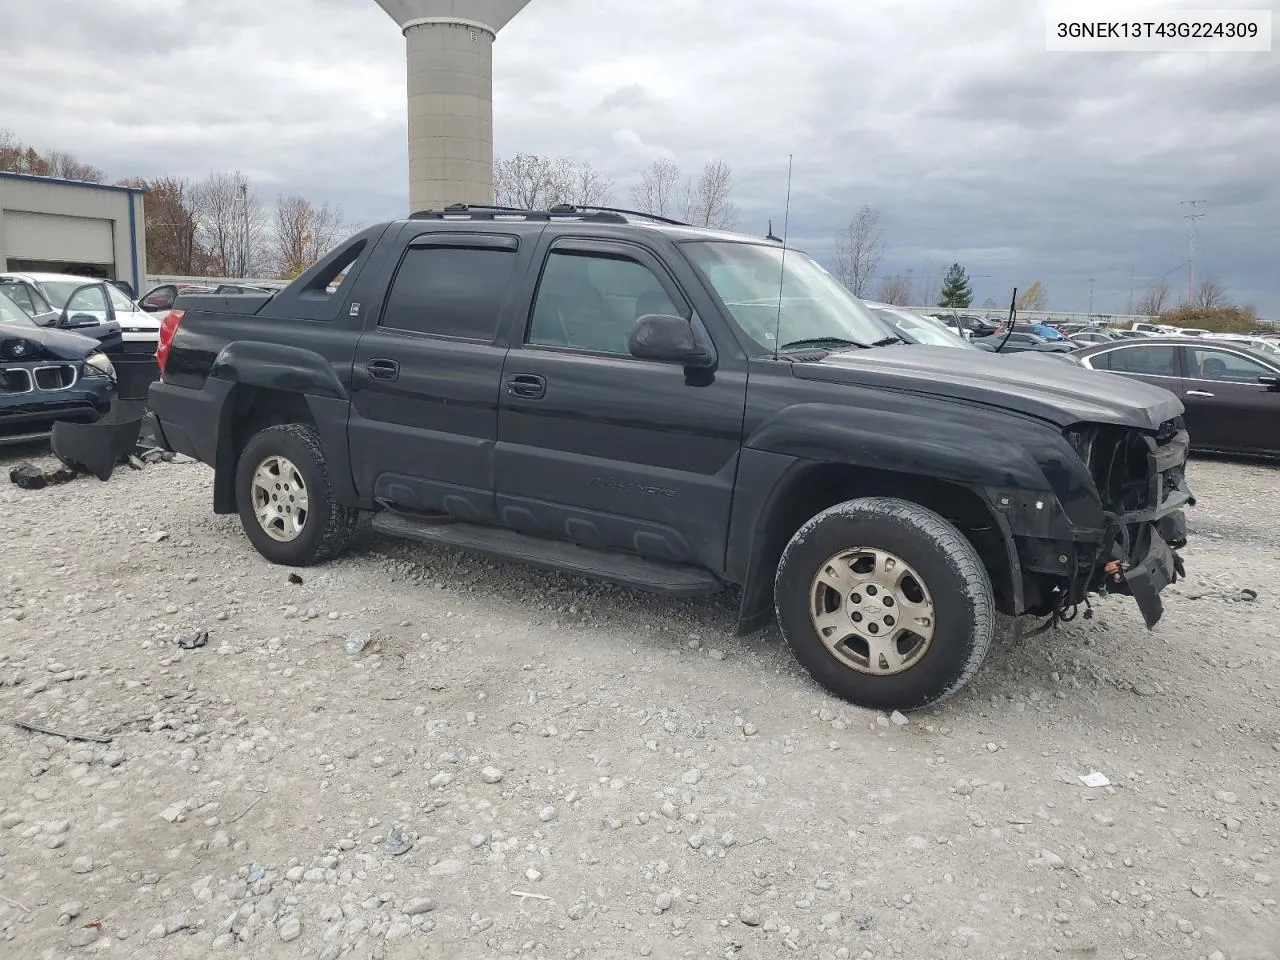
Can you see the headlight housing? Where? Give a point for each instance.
(97, 365)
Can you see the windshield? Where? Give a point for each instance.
(10, 312)
(919, 329)
(58, 290)
(120, 300)
(748, 278)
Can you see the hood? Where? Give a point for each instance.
(22, 343)
(1061, 393)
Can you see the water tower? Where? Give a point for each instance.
(450, 53)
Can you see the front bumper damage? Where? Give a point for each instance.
(1159, 566)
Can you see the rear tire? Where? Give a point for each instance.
(285, 500)
(885, 603)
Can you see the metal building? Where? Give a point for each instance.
(49, 225)
(449, 46)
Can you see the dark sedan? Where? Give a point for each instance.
(47, 375)
(1231, 393)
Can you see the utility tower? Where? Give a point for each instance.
(449, 47)
(1191, 219)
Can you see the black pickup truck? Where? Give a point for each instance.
(678, 410)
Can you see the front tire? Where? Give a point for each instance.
(285, 500)
(885, 603)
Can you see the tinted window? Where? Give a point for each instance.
(592, 302)
(1224, 367)
(1155, 360)
(450, 291)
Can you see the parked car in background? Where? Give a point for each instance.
(1092, 335)
(27, 295)
(1022, 341)
(917, 328)
(1046, 331)
(47, 375)
(106, 302)
(1189, 332)
(1153, 329)
(160, 298)
(1231, 393)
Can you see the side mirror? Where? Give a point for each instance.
(78, 321)
(668, 340)
(1270, 380)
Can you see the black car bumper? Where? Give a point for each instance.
(1156, 566)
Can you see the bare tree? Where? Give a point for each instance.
(929, 289)
(1035, 297)
(232, 225)
(1210, 294)
(17, 157)
(895, 290)
(67, 167)
(659, 188)
(532, 182)
(169, 212)
(859, 248)
(1153, 301)
(303, 233)
(708, 201)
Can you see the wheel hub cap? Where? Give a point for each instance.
(872, 611)
(280, 499)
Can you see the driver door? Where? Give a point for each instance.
(600, 448)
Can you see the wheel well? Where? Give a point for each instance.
(254, 409)
(818, 487)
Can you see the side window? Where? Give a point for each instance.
(87, 300)
(1224, 367)
(1161, 361)
(161, 298)
(591, 302)
(119, 300)
(450, 291)
(20, 295)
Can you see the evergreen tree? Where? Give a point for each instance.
(956, 291)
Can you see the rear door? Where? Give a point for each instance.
(600, 448)
(425, 378)
(1154, 363)
(1226, 404)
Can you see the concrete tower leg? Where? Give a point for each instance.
(449, 46)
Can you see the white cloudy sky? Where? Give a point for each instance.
(948, 115)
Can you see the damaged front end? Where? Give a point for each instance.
(1142, 485)
(1112, 522)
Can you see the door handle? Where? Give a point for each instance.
(526, 385)
(383, 369)
(1199, 393)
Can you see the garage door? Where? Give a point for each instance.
(44, 236)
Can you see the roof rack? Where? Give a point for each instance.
(458, 211)
(560, 211)
(622, 210)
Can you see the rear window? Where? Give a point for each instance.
(446, 291)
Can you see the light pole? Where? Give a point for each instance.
(1191, 219)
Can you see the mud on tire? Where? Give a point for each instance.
(855, 589)
(328, 526)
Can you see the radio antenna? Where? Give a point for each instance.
(782, 269)
(1013, 318)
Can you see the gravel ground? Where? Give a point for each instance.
(520, 763)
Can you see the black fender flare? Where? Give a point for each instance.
(245, 367)
(888, 450)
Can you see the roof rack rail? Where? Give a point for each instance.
(621, 210)
(490, 212)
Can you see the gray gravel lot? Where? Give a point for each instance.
(580, 771)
